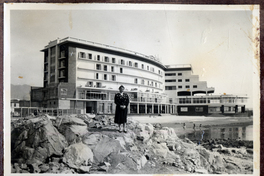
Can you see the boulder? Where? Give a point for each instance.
(160, 150)
(38, 141)
(211, 160)
(160, 135)
(105, 147)
(77, 155)
(71, 120)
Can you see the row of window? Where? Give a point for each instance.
(174, 80)
(105, 68)
(122, 62)
(173, 74)
(149, 83)
(106, 77)
(136, 81)
(179, 87)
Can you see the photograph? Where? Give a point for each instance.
(131, 89)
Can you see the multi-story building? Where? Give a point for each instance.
(193, 97)
(84, 75)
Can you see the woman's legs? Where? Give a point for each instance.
(119, 127)
(124, 127)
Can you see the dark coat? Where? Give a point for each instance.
(121, 114)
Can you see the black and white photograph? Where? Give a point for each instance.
(131, 89)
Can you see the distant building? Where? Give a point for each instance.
(84, 75)
(193, 97)
(14, 104)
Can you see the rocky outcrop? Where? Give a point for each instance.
(92, 144)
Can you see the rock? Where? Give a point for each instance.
(160, 135)
(78, 155)
(213, 160)
(44, 168)
(121, 141)
(149, 128)
(141, 132)
(160, 150)
(71, 120)
(84, 169)
(92, 139)
(105, 147)
(171, 133)
(73, 133)
(104, 167)
(38, 141)
(33, 168)
(201, 171)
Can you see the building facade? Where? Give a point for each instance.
(193, 97)
(84, 75)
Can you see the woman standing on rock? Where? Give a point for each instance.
(121, 101)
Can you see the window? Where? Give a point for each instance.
(170, 80)
(113, 60)
(187, 80)
(198, 109)
(105, 76)
(136, 64)
(90, 56)
(98, 66)
(130, 63)
(121, 70)
(170, 74)
(136, 81)
(82, 55)
(90, 84)
(142, 66)
(97, 75)
(179, 87)
(187, 86)
(122, 62)
(98, 84)
(98, 57)
(152, 83)
(142, 81)
(106, 59)
(112, 69)
(147, 67)
(152, 69)
(113, 77)
(159, 72)
(179, 74)
(194, 86)
(148, 83)
(170, 87)
(184, 100)
(156, 85)
(105, 67)
(179, 80)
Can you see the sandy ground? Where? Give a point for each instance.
(176, 122)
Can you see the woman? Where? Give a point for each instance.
(121, 101)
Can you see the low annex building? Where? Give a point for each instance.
(85, 76)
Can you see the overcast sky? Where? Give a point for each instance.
(216, 43)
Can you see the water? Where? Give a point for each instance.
(243, 132)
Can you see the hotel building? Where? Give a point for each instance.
(85, 76)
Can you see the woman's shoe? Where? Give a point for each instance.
(119, 131)
(125, 131)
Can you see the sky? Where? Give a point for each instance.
(217, 44)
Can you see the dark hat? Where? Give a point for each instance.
(121, 87)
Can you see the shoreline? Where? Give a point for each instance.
(176, 122)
